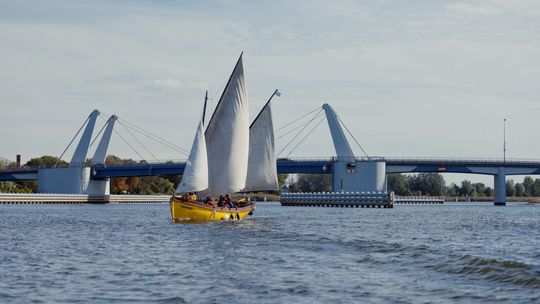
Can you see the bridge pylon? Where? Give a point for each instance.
(348, 173)
(102, 186)
(75, 179)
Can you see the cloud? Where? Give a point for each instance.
(408, 64)
(166, 83)
(174, 84)
(469, 8)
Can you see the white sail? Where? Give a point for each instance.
(262, 168)
(195, 177)
(227, 137)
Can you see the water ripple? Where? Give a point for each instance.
(133, 253)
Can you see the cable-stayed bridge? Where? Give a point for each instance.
(349, 172)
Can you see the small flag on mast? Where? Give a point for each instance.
(278, 93)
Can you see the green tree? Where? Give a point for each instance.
(536, 188)
(528, 183)
(510, 188)
(315, 182)
(156, 185)
(282, 180)
(480, 189)
(453, 190)
(113, 159)
(4, 162)
(427, 184)
(45, 161)
(398, 184)
(25, 186)
(466, 188)
(293, 187)
(174, 179)
(520, 189)
(7, 187)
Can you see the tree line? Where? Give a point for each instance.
(431, 184)
(402, 184)
(119, 185)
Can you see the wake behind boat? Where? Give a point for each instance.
(230, 156)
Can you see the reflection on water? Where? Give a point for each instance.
(125, 253)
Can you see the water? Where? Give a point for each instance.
(409, 254)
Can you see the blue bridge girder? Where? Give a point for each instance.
(458, 165)
(310, 166)
(177, 168)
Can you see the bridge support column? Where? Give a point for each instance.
(359, 176)
(500, 187)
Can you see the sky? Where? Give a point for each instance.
(409, 78)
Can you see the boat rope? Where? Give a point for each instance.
(302, 130)
(297, 119)
(307, 135)
(80, 129)
(138, 141)
(221, 88)
(356, 141)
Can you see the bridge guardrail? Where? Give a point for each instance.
(406, 160)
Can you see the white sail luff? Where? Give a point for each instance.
(262, 168)
(227, 137)
(195, 177)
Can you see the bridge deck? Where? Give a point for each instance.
(303, 165)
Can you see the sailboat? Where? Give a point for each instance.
(230, 156)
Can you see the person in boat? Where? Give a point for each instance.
(208, 201)
(241, 202)
(190, 197)
(227, 201)
(221, 201)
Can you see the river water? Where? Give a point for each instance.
(132, 253)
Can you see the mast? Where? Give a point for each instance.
(270, 99)
(204, 109)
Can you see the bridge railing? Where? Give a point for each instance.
(142, 162)
(118, 163)
(463, 160)
(405, 160)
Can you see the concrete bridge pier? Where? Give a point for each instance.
(500, 187)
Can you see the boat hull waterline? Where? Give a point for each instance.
(189, 211)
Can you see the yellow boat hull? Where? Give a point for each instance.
(188, 211)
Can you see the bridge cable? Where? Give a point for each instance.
(302, 130)
(127, 143)
(301, 141)
(80, 129)
(356, 141)
(297, 120)
(289, 132)
(118, 133)
(136, 139)
(156, 138)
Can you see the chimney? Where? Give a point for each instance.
(18, 160)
